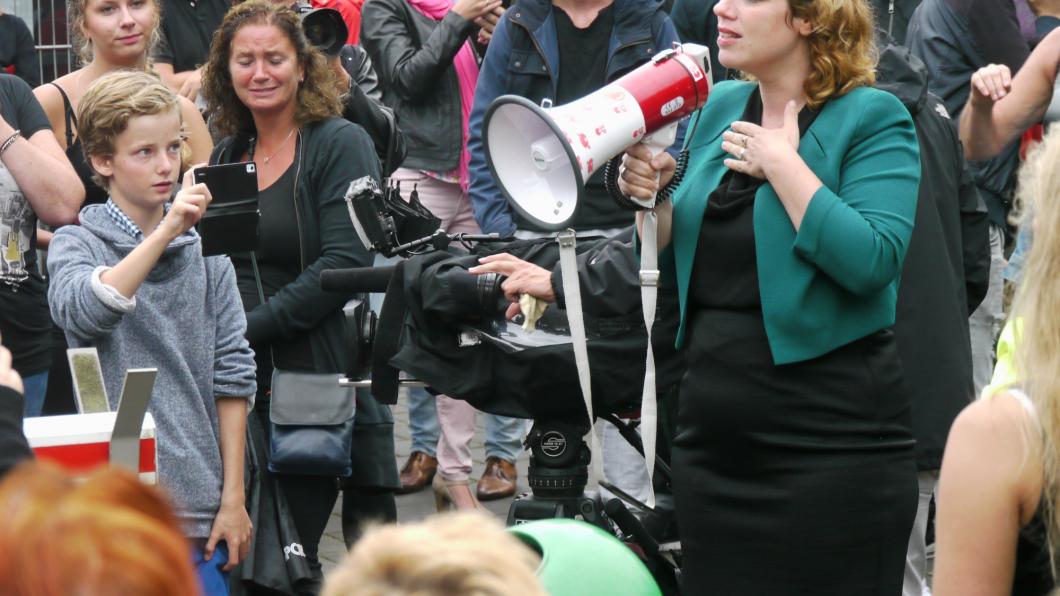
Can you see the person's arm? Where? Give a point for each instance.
(1001, 107)
(186, 84)
(301, 304)
(363, 105)
(14, 448)
(188, 207)
(409, 71)
(198, 135)
(232, 524)
(986, 493)
(38, 164)
(490, 208)
(88, 299)
(233, 375)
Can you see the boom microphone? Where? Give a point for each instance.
(356, 280)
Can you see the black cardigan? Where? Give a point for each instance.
(331, 154)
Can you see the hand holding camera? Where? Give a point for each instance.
(188, 206)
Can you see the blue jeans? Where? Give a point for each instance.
(504, 436)
(213, 581)
(35, 387)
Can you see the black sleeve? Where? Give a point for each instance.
(996, 33)
(163, 53)
(14, 448)
(975, 237)
(364, 106)
(24, 111)
(27, 65)
(407, 70)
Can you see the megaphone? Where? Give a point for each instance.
(541, 156)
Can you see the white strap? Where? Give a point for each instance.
(572, 295)
(649, 291)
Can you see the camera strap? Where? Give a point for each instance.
(568, 262)
(649, 293)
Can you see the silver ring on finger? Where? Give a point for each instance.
(743, 140)
(740, 155)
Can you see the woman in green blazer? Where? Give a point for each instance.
(793, 460)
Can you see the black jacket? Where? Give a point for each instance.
(947, 266)
(13, 445)
(331, 154)
(364, 105)
(414, 58)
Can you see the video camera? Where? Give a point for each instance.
(446, 328)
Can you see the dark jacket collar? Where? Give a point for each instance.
(633, 18)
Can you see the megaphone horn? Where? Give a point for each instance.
(541, 156)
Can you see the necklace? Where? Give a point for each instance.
(267, 159)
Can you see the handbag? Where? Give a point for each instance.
(310, 418)
(311, 423)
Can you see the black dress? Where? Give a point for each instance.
(792, 479)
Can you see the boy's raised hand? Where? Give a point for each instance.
(188, 206)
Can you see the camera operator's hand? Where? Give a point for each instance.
(643, 175)
(474, 9)
(9, 377)
(523, 278)
(188, 206)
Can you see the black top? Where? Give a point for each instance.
(725, 267)
(17, 51)
(94, 193)
(583, 69)
(278, 257)
(25, 324)
(187, 28)
(1033, 576)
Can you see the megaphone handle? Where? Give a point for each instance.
(657, 142)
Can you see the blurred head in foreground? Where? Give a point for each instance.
(109, 534)
(456, 554)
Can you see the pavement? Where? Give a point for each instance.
(419, 505)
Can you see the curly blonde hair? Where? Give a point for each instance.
(75, 14)
(843, 50)
(317, 98)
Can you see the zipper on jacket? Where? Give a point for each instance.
(297, 211)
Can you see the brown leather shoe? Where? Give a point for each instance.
(418, 472)
(498, 480)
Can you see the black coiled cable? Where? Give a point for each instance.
(611, 182)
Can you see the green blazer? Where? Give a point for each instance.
(836, 279)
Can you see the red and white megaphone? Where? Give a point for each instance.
(541, 156)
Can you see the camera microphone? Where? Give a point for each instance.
(356, 280)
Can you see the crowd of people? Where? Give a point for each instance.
(868, 199)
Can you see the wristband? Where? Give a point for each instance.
(10, 141)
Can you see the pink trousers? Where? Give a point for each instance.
(456, 418)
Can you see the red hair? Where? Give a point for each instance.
(108, 535)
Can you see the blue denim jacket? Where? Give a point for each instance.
(523, 59)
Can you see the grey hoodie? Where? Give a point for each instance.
(187, 320)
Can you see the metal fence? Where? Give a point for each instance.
(47, 21)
